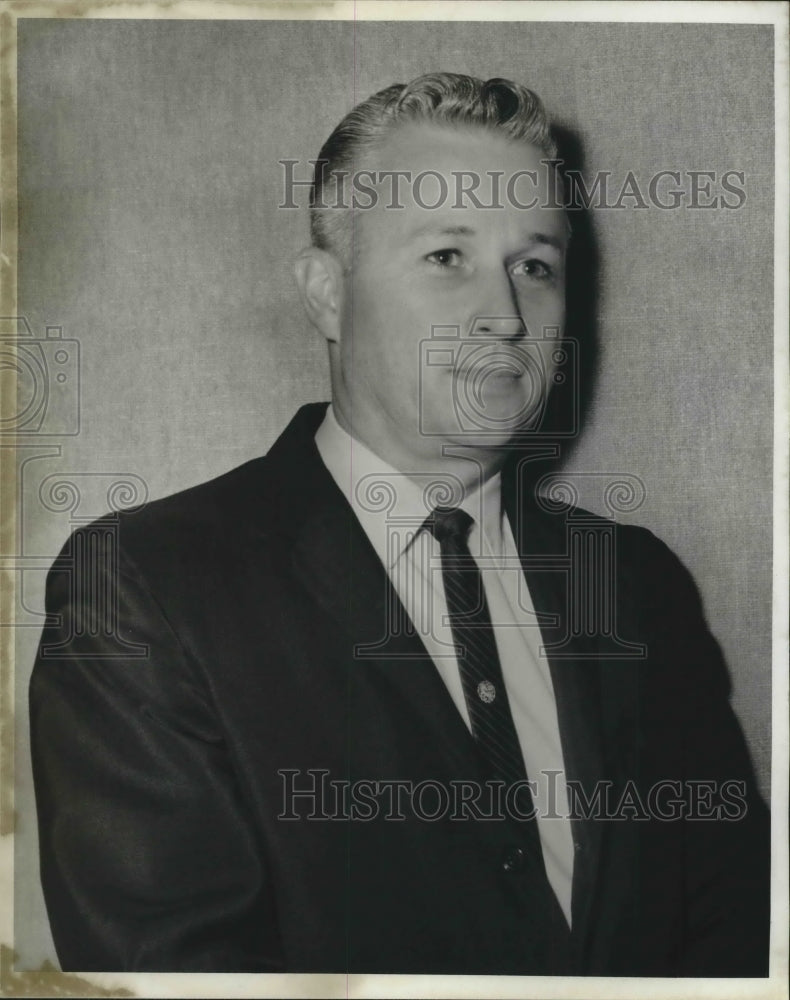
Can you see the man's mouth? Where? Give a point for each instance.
(499, 365)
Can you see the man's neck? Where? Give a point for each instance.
(470, 466)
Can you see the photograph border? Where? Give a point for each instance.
(49, 981)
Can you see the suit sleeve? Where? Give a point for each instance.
(727, 843)
(149, 859)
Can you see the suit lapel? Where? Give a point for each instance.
(336, 564)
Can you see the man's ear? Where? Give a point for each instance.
(319, 276)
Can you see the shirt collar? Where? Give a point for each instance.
(392, 506)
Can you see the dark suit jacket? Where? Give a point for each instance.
(206, 641)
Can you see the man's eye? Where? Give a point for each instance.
(533, 268)
(445, 258)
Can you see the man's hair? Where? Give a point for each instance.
(442, 98)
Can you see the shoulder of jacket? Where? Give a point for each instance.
(194, 519)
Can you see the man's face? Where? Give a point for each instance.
(494, 275)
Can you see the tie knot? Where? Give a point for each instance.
(449, 523)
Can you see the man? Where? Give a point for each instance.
(370, 703)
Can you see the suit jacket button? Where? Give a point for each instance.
(513, 859)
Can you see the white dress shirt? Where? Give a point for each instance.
(392, 507)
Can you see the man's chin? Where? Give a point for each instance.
(481, 439)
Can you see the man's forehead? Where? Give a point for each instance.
(446, 146)
(466, 182)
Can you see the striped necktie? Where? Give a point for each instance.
(490, 716)
(478, 659)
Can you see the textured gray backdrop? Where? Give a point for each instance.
(149, 230)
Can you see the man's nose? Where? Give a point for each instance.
(500, 317)
(501, 327)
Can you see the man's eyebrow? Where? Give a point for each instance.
(432, 229)
(435, 229)
(547, 239)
